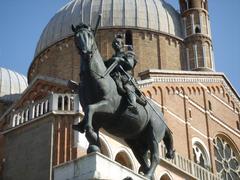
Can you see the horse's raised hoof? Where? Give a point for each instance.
(93, 148)
(79, 127)
(142, 170)
(171, 154)
(149, 176)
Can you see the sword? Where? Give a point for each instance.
(113, 65)
(97, 24)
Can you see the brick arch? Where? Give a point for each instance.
(222, 91)
(232, 104)
(155, 90)
(149, 94)
(189, 90)
(202, 89)
(209, 89)
(218, 89)
(168, 89)
(213, 89)
(198, 90)
(177, 89)
(194, 90)
(182, 90)
(228, 98)
(172, 89)
(159, 89)
(237, 110)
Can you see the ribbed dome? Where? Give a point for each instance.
(12, 84)
(154, 15)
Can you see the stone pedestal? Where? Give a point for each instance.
(94, 166)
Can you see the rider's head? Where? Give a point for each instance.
(118, 44)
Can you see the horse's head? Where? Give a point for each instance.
(84, 39)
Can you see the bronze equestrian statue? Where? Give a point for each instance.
(105, 108)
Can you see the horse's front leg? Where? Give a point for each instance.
(91, 135)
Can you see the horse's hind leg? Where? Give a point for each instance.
(154, 150)
(140, 152)
(168, 141)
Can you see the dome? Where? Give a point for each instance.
(156, 15)
(12, 84)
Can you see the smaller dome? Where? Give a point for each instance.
(12, 84)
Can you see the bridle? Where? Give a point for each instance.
(91, 55)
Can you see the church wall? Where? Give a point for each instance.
(28, 151)
(62, 60)
(64, 149)
(194, 118)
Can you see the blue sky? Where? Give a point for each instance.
(23, 21)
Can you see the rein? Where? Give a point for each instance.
(108, 70)
(92, 55)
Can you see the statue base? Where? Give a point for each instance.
(94, 166)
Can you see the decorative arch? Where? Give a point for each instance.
(218, 89)
(168, 90)
(182, 90)
(166, 176)
(155, 90)
(189, 90)
(209, 90)
(222, 91)
(227, 157)
(194, 90)
(172, 90)
(60, 102)
(213, 90)
(232, 104)
(177, 90)
(198, 90)
(149, 94)
(123, 158)
(105, 148)
(228, 98)
(200, 152)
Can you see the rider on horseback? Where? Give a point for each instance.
(121, 73)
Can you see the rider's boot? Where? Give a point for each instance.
(132, 105)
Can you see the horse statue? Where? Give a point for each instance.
(105, 108)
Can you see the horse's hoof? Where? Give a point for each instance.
(78, 127)
(148, 176)
(93, 148)
(170, 155)
(143, 170)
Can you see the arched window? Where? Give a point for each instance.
(128, 38)
(189, 4)
(226, 161)
(200, 155)
(165, 177)
(60, 103)
(197, 29)
(123, 158)
(66, 103)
